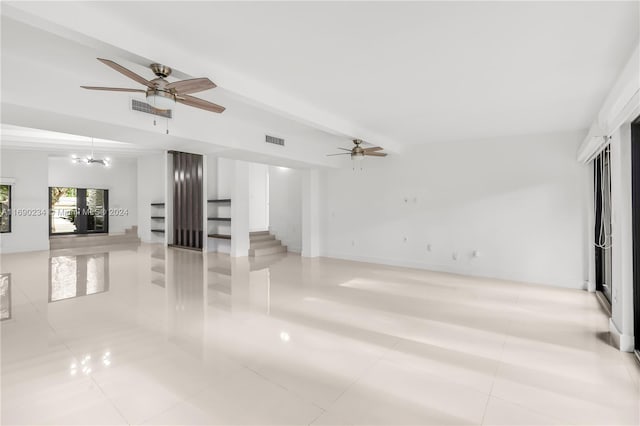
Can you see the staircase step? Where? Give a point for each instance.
(64, 242)
(261, 237)
(258, 233)
(267, 250)
(264, 243)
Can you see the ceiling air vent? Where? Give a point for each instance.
(274, 140)
(137, 105)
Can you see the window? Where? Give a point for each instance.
(5, 208)
(5, 297)
(78, 210)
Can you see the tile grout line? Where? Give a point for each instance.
(499, 363)
(370, 367)
(110, 401)
(99, 387)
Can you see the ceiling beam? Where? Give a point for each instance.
(79, 22)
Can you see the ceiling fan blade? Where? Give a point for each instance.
(342, 153)
(199, 103)
(372, 149)
(375, 154)
(122, 70)
(344, 149)
(193, 85)
(113, 89)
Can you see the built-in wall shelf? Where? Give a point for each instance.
(221, 219)
(221, 200)
(158, 205)
(220, 236)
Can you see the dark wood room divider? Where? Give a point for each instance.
(187, 200)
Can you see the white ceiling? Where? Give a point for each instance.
(393, 73)
(63, 144)
(41, 77)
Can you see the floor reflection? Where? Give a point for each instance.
(184, 337)
(77, 276)
(158, 267)
(5, 297)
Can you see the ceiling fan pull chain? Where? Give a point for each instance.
(167, 125)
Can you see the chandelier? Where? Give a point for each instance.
(91, 159)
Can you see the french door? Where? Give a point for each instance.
(78, 210)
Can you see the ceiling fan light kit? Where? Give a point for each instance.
(160, 99)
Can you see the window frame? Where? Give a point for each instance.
(10, 203)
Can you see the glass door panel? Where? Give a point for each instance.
(64, 210)
(96, 209)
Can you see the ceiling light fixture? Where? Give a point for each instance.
(161, 99)
(357, 158)
(106, 162)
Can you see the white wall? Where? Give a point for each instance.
(118, 178)
(258, 196)
(220, 173)
(285, 206)
(518, 201)
(151, 178)
(240, 209)
(28, 169)
(622, 239)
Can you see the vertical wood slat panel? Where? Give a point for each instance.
(192, 204)
(179, 183)
(176, 199)
(183, 204)
(188, 199)
(200, 202)
(191, 201)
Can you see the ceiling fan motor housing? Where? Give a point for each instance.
(161, 70)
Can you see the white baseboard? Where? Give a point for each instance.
(459, 270)
(624, 342)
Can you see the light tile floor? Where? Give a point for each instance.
(148, 335)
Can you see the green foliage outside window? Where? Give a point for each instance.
(5, 208)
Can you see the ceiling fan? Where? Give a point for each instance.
(162, 94)
(358, 153)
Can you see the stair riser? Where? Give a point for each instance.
(262, 238)
(261, 244)
(63, 243)
(267, 251)
(256, 233)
